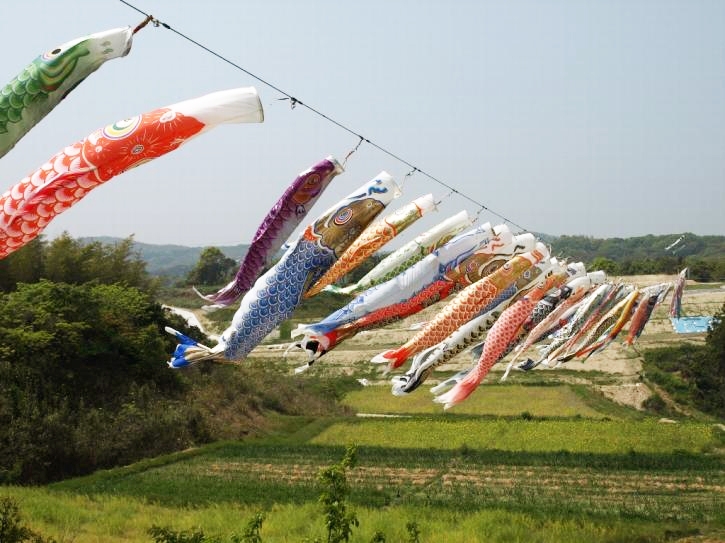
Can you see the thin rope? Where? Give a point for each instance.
(352, 151)
(444, 197)
(143, 23)
(406, 176)
(295, 102)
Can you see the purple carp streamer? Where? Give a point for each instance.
(410, 253)
(373, 238)
(29, 206)
(277, 293)
(28, 98)
(284, 217)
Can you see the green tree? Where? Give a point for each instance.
(702, 270)
(339, 521)
(213, 268)
(67, 260)
(23, 266)
(693, 374)
(82, 381)
(607, 265)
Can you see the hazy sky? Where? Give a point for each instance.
(603, 118)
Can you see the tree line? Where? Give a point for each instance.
(644, 255)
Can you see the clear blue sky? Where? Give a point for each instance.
(601, 118)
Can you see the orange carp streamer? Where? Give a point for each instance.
(27, 208)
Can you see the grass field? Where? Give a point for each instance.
(499, 400)
(500, 478)
(578, 436)
(106, 519)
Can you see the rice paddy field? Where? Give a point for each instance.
(460, 476)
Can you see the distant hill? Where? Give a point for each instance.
(178, 260)
(172, 260)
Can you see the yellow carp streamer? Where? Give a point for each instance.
(373, 238)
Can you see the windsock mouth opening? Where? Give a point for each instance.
(526, 365)
(382, 358)
(338, 167)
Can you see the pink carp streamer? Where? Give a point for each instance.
(555, 278)
(373, 238)
(412, 252)
(29, 206)
(498, 339)
(466, 305)
(651, 298)
(284, 217)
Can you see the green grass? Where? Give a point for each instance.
(498, 400)
(595, 436)
(94, 519)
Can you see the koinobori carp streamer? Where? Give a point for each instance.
(466, 305)
(373, 238)
(41, 86)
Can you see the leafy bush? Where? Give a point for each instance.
(655, 403)
(82, 381)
